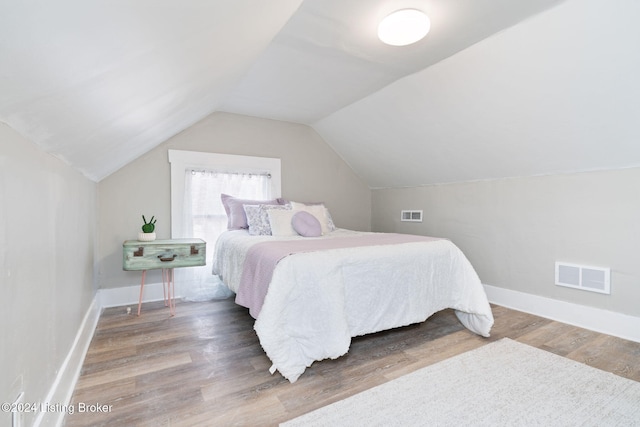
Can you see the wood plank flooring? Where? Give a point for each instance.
(205, 366)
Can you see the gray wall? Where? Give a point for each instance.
(311, 171)
(513, 230)
(47, 239)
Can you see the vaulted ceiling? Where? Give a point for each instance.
(498, 88)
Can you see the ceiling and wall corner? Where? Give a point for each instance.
(497, 88)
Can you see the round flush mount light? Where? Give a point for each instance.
(404, 27)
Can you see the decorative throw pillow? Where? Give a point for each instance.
(234, 207)
(255, 223)
(319, 211)
(330, 224)
(258, 218)
(306, 224)
(280, 222)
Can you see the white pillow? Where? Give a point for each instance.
(280, 221)
(319, 211)
(258, 218)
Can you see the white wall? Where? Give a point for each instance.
(311, 171)
(513, 230)
(47, 238)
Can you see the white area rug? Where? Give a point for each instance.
(504, 383)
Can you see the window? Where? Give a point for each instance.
(203, 213)
(197, 180)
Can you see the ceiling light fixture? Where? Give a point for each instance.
(403, 27)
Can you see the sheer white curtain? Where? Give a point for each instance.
(204, 217)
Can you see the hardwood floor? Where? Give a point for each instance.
(205, 366)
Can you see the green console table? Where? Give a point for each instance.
(165, 255)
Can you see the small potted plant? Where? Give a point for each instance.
(148, 230)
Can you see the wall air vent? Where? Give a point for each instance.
(594, 279)
(411, 216)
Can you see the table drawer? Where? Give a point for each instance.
(173, 253)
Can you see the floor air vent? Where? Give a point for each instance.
(594, 279)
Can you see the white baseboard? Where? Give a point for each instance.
(61, 390)
(128, 295)
(595, 319)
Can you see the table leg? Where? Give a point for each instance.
(144, 273)
(172, 290)
(164, 290)
(169, 298)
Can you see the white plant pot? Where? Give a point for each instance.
(147, 237)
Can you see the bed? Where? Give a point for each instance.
(310, 294)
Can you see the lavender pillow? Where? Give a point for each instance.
(234, 207)
(330, 226)
(306, 224)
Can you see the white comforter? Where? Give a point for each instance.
(317, 301)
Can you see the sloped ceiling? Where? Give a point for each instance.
(497, 88)
(100, 82)
(557, 93)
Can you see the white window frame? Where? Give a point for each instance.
(181, 160)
